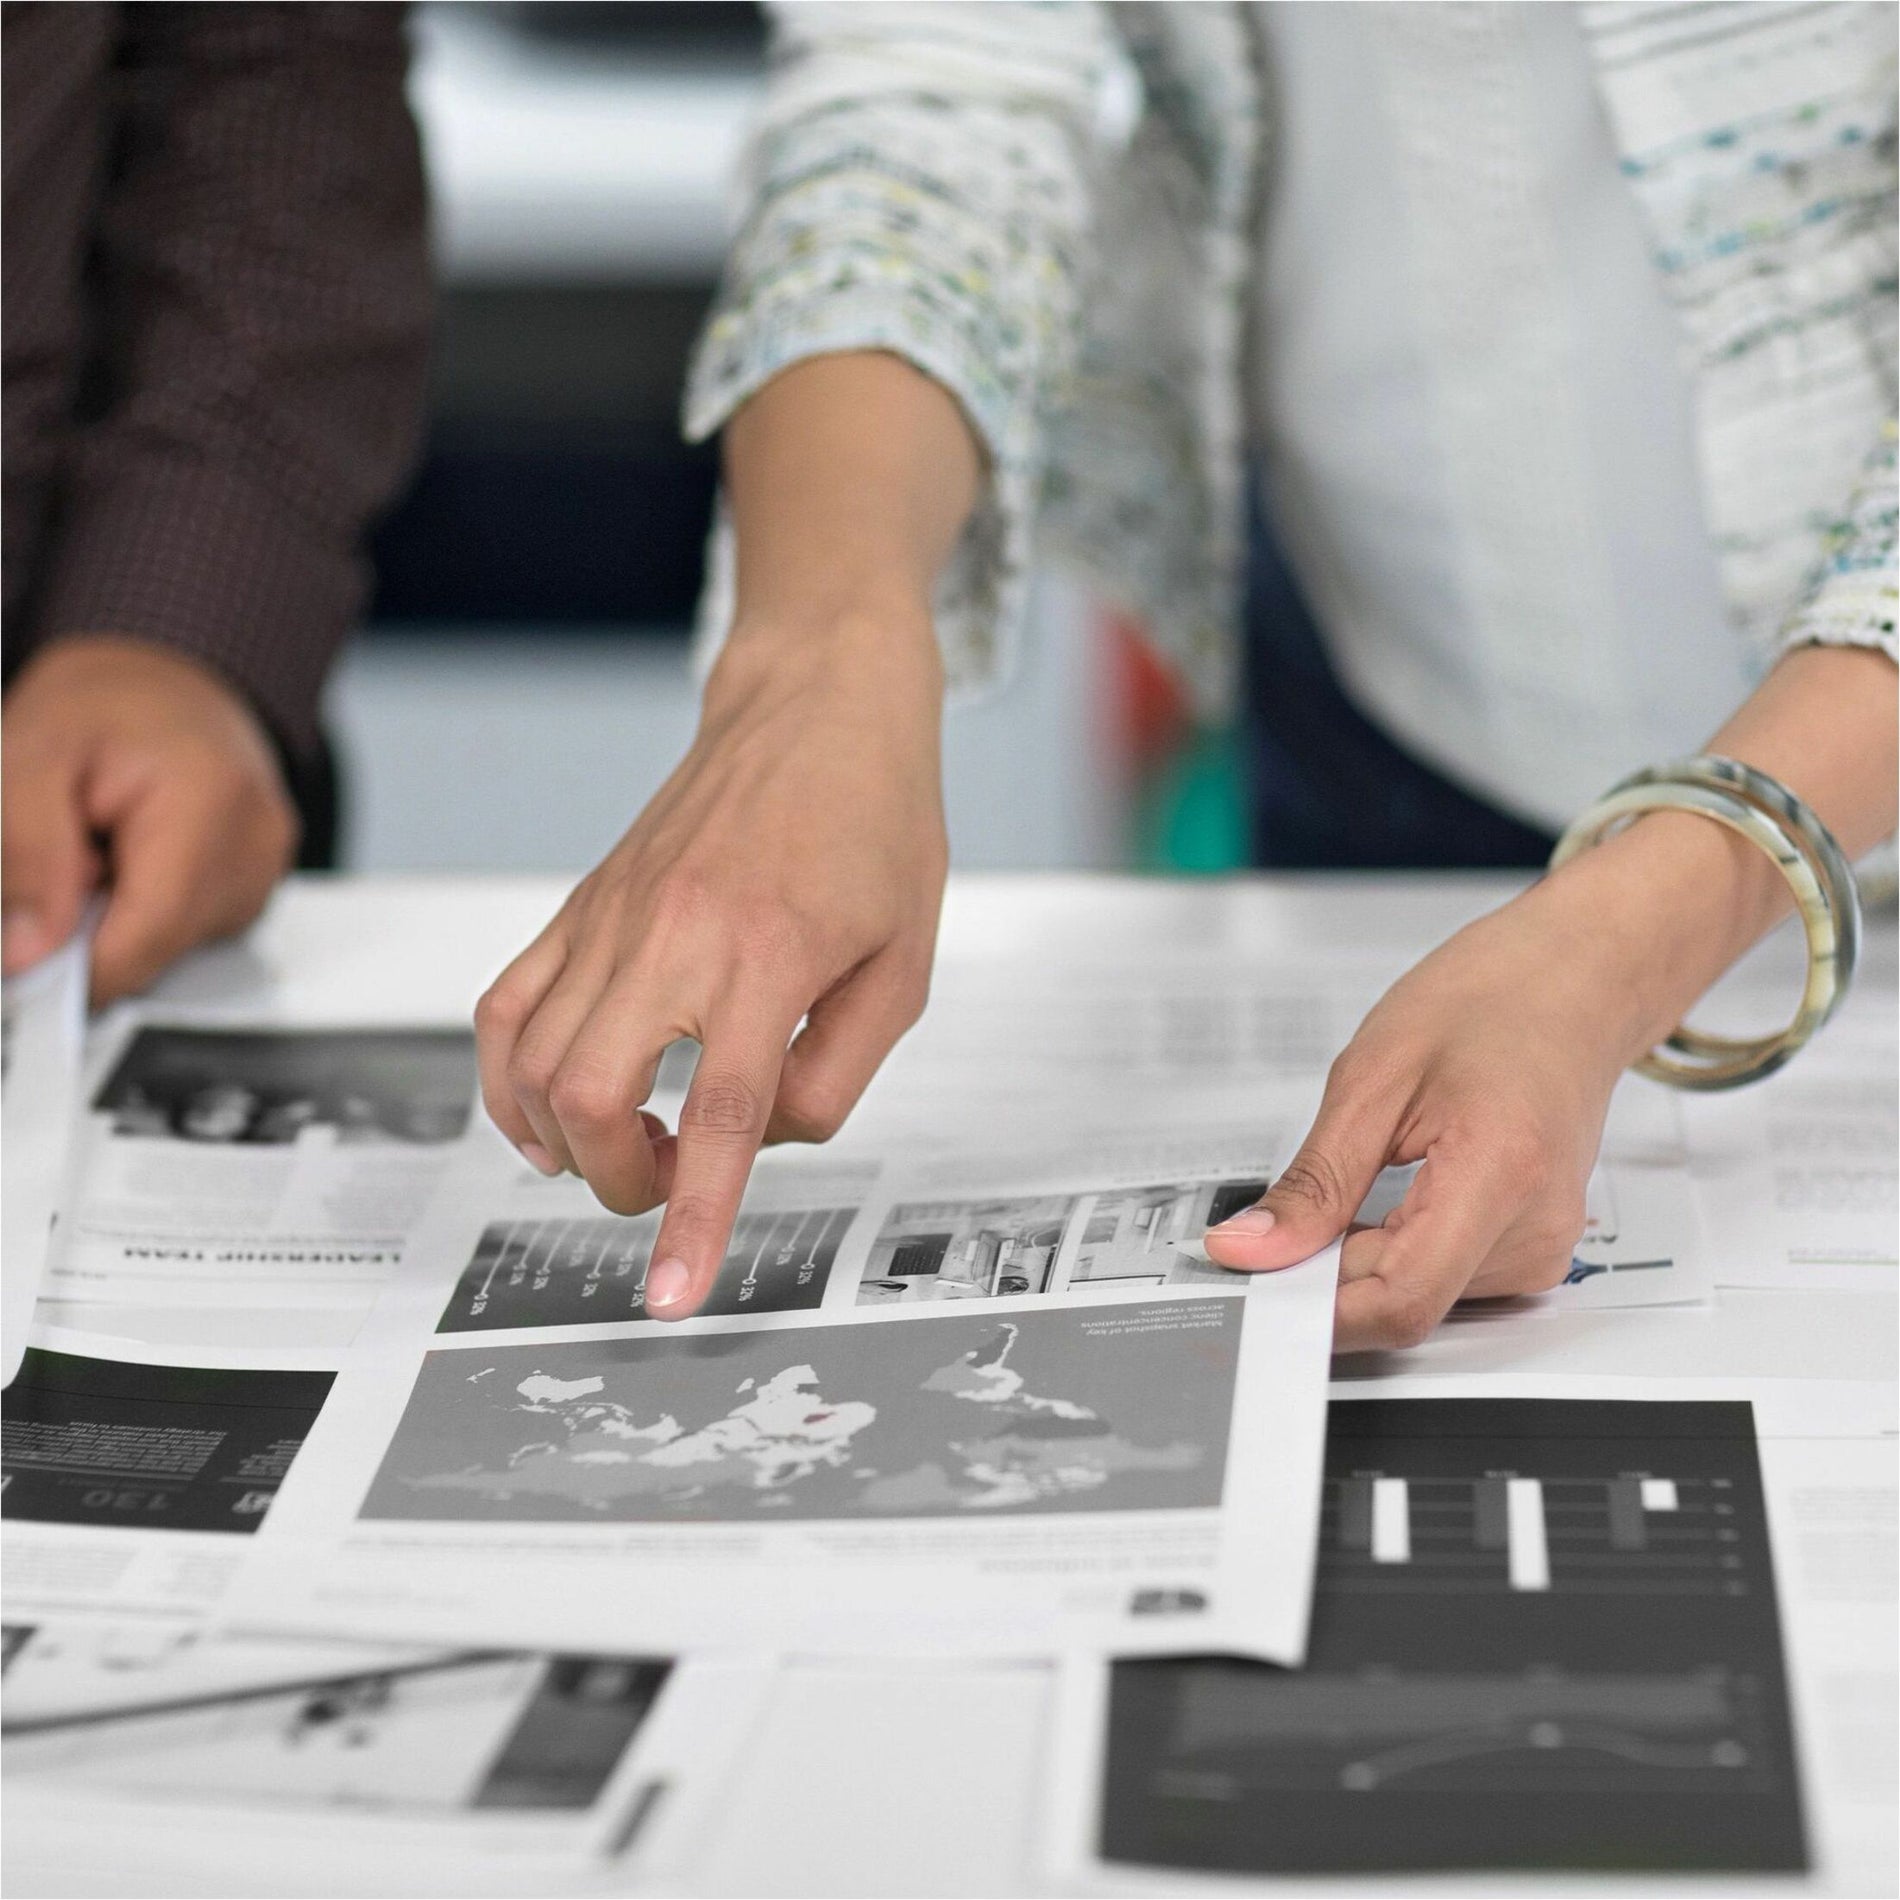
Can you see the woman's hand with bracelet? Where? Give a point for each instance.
(1493, 1061)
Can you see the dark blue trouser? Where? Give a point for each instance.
(1328, 790)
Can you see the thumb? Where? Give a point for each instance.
(1315, 1197)
(47, 864)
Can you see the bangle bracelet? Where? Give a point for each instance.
(1816, 869)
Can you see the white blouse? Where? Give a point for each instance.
(1475, 403)
(1053, 210)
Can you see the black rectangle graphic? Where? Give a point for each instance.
(186, 1448)
(1544, 1636)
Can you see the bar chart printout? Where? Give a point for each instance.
(1544, 1636)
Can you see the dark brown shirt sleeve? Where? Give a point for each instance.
(260, 293)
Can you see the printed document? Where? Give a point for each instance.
(135, 1479)
(1798, 1176)
(464, 1753)
(1545, 1637)
(42, 1037)
(952, 1409)
(245, 1165)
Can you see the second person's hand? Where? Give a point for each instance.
(791, 869)
(134, 769)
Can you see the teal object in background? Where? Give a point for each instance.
(1191, 818)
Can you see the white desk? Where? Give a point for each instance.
(820, 1806)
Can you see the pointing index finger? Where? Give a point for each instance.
(722, 1122)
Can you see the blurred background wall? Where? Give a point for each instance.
(523, 686)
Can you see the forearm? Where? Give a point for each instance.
(849, 478)
(1676, 898)
(261, 284)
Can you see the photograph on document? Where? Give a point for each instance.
(231, 1165)
(1544, 1635)
(535, 1750)
(267, 1088)
(508, 1733)
(965, 1249)
(131, 1486)
(545, 1254)
(1151, 1236)
(999, 1246)
(60, 1668)
(1072, 1409)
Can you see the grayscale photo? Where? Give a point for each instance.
(965, 1250)
(230, 1087)
(494, 1733)
(1108, 1409)
(1150, 1236)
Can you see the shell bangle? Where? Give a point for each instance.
(1766, 813)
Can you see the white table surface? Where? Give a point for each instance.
(819, 1809)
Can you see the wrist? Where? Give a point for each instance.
(1658, 912)
(117, 663)
(881, 645)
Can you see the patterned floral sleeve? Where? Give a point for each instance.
(919, 182)
(1853, 593)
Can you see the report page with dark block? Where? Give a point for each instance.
(1544, 1636)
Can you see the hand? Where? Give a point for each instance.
(792, 867)
(1492, 1062)
(131, 766)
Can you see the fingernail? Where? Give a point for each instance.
(21, 937)
(668, 1283)
(1250, 1220)
(538, 1158)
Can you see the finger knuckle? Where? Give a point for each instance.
(811, 1112)
(1562, 1226)
(1359, 1070)
(624, 1195)
(585, 1095)
(1412, 1320)
(913, 997)
(1549, 1270)
(770, 936)
(721, 1104)
(501, 1010)
(531, 1070)
(1314, 1177)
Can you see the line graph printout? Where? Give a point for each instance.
(1544, 1636)
(554, 1271)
